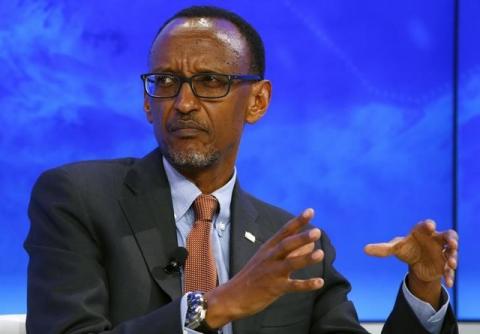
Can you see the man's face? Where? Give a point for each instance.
(195, 132)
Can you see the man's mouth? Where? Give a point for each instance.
(186, 126)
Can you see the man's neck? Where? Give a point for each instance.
(208, 179)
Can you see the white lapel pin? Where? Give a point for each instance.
(250, 236)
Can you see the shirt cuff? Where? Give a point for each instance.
(430, 319)
(183, 315)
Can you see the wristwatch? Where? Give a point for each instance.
(197, 312)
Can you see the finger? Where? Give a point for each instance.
(451, 234)
(452, 244)
(426, 227)
(451, 256)
(293, 226)
(451, 239)
(383, 249)
(293, 264)
(297, 285)
(305, 249)
(295, 242)
(449, 276)
(448, 238)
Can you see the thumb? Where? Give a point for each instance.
(382, 249)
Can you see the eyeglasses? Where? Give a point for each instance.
(203, 85)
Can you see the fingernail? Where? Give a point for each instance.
(317, 254)
(432, 223)
(314, 233)
(308, 213)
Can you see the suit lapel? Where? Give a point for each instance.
(245, 219)
(244, 216)
(147, 204)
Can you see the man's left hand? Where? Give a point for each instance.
(429, 255)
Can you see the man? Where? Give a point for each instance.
(104, 234)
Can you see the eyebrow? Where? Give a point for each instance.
(163, 70)
(197, 67)
(197, 71)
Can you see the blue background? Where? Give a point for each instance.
(374, 122)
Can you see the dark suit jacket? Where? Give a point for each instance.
(102, 231)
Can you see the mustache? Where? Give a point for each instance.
(186, 123)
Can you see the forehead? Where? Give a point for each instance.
(186, 43)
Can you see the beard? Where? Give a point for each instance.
(187, 157)
(190, 158)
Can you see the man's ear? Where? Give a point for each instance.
(259, 101)
(146, 108)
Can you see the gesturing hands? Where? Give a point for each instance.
(429, 255)
(266, 277)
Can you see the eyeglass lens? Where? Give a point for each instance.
(203, 85)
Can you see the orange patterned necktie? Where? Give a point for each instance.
(200, 267)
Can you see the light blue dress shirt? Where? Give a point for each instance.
(184, 192)
(431, 320)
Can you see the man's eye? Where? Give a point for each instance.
(208, 78)
(212, 80)
(164, 80)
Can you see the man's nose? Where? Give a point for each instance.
(186, 101)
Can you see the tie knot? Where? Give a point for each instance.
(205, 207)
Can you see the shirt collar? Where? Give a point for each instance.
(184, 192)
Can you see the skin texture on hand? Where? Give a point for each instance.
(430, 255)
(266, 277)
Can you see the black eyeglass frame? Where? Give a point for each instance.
(182, 80)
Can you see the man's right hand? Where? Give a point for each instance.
(266, 277)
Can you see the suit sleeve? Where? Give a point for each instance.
(334, 313)
(67, 280)
(402, 319)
